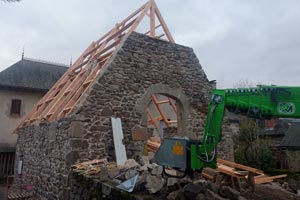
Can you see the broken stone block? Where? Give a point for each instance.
(184, 181)
(139, 133)
(176, 195)
(213, 187)
(71, 158)
(156, 169)
(143, 168)
(104, 173)
(191, 190)
(131, 163)
(140, 183)
(154, 184)
(151, 156)
(144, 160)
(129, 173)
(200, 196)
(113, 172)
(200, 181)
(171, 181)
(230, 193)
(213, 196)
(210, 174)
(76, 129)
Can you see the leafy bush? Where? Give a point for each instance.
(251, 150)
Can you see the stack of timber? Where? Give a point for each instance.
(93, 167)
(232, 169)
(153, 144)
(239, 172)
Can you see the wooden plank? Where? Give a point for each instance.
(120, 150)
(152, 19)
(260, 180)
(173, 105)
(162, 102)
(135, 13)
(230, 171)
(243, 167)
(154, 99)
(57, 108)
(139, 19)
(154, 120)
(163, 23)
(156, 27)
(114, 44)
(207, 176)
(75, 99)
(158, 118)
(63, 99)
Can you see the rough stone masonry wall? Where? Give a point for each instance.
(140, 67)
(44, 150)
(142, 64)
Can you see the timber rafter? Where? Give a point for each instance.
(61, 99)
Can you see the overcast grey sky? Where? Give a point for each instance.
(254, 40)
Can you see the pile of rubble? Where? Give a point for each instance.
(143, 176)
(150, 180)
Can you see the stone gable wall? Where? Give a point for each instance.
(142, 64)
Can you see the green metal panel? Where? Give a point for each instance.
(258, 102)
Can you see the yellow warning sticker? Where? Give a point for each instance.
(178, 149)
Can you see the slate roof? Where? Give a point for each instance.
(291, 139)
(280, 129)
(29, 74)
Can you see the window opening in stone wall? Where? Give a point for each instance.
(15, 108)
(162, 116)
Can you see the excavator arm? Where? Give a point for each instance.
(260, 102)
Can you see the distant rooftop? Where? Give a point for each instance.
(31, 74)
(291, 139)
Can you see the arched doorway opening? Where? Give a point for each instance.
(162, 115)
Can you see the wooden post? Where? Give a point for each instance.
(152, 19)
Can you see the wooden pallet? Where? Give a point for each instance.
(237, 173)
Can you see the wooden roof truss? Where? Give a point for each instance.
(162, 116)
(62, 98)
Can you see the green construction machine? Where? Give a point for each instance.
(262, 102)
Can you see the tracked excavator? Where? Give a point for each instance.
(261, 102)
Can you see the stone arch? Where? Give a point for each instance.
(174, 93)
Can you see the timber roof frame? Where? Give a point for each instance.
(65, 94)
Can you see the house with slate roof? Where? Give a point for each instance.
(285, 141)
(21, 86)
(290, 145)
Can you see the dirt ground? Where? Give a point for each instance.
(269, 192)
